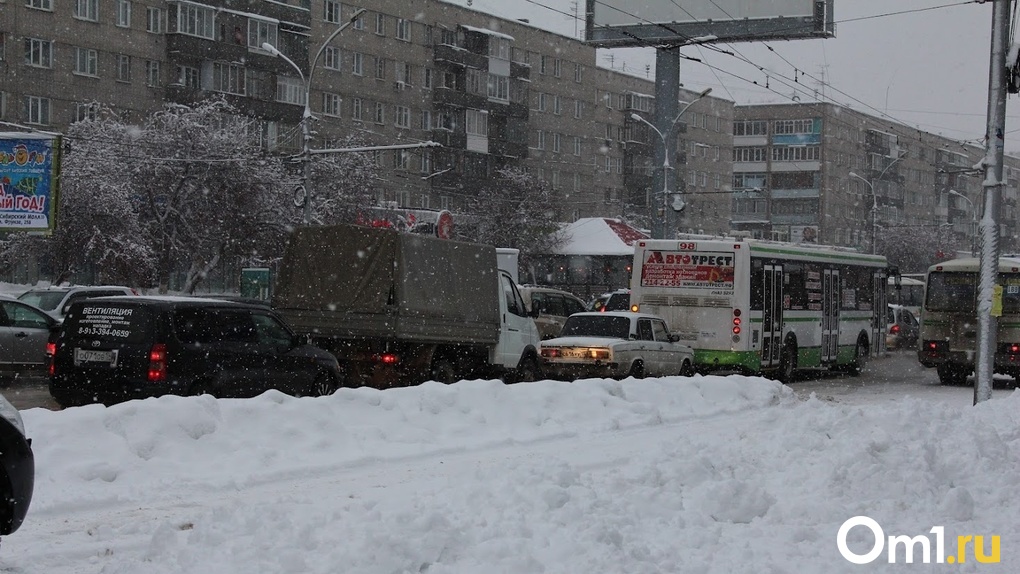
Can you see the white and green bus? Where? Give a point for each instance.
(764, 307)
(949, 322)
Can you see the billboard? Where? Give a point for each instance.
(686, 270)
(624, 23)
(29, 169)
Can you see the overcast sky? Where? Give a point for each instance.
(923, 63)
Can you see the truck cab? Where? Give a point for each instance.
(517, 349)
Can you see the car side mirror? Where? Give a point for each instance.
(535, 312)
(674, 338)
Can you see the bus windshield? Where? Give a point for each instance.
(957, 292)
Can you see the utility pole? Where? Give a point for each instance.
(988, 291)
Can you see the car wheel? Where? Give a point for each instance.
(687, 369)
(637, 370)
(528, 371)
(325, 384)
(443, 371)
(952, 375)
(861, 353)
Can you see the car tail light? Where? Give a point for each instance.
(387, 358)
(634, 307)
(157, 363)
(894, 330)
(598, 353)
(736, 321)
(51, 356)
(551, 353)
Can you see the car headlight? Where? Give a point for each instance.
(12, 415)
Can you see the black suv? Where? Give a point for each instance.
(113, 349)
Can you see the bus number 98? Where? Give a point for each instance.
(687, 246)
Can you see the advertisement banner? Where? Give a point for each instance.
(688, 270)
(29, 166)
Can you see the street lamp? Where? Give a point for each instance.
(306, 117)
(973, 221)
(664, 136)
(874, 199)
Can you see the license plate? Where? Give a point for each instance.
(575, 353)
(92, 356)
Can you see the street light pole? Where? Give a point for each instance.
(665, 156)
(306, 117)
(874, 199)
(973, 221)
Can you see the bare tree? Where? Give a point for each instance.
(914, 249)
(342, 183)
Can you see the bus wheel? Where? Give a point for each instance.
(787, 364)
(861, 353)
(951, 375)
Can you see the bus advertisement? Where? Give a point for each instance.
(764, 307)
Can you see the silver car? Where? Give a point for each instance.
(24, 334)
(615, 344)
(56, 300)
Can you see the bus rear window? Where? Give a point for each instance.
(108, 322)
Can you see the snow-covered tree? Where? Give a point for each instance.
(914, 249)
(341, 183)
(514, 210)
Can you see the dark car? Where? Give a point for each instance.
(17, 469)
(618, 300)
(25, 331)
(114, 349)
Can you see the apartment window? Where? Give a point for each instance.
(499, 88)
(288, 90)
(189, 77)
(403, 72)
(380, 68)
(39, 52)
(152, 73)
(401, 160)
(37, 110)
(195, 20)
(84, 112)
(577, 145)
(123, 68)
(155, 20)
(124, 13)
(359, 23)
(499, 48)
(543, 66)
(557, 64)
(578, 107)
(356, 108)
(750, 128)
(358, 64)
(331, 11)
(331, 104)
(426, 120)
(477, 123)
(261, 31)
(380, 113)
(609, 164)
(749, 153)
(403, 29)
(540, 97)
(795, 153)
(540, 140)
(557, 105)
(426, 162)
(86, 62)
(556, 179)
(444, 202)
(40, 4)
(556, 142)
(577, 73)
(380, 24)
(332, 58)
(402, 116)
(426, 78)
(806, 126)
(86, 10)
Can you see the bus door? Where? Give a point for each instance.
(772, 316)
(879, 312)
(830, 315)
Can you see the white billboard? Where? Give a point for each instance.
(619, 23)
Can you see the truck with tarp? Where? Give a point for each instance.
(399, 308)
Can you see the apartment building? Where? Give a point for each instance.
(493, 92)
(827, 173)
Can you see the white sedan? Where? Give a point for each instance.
(615, 344)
